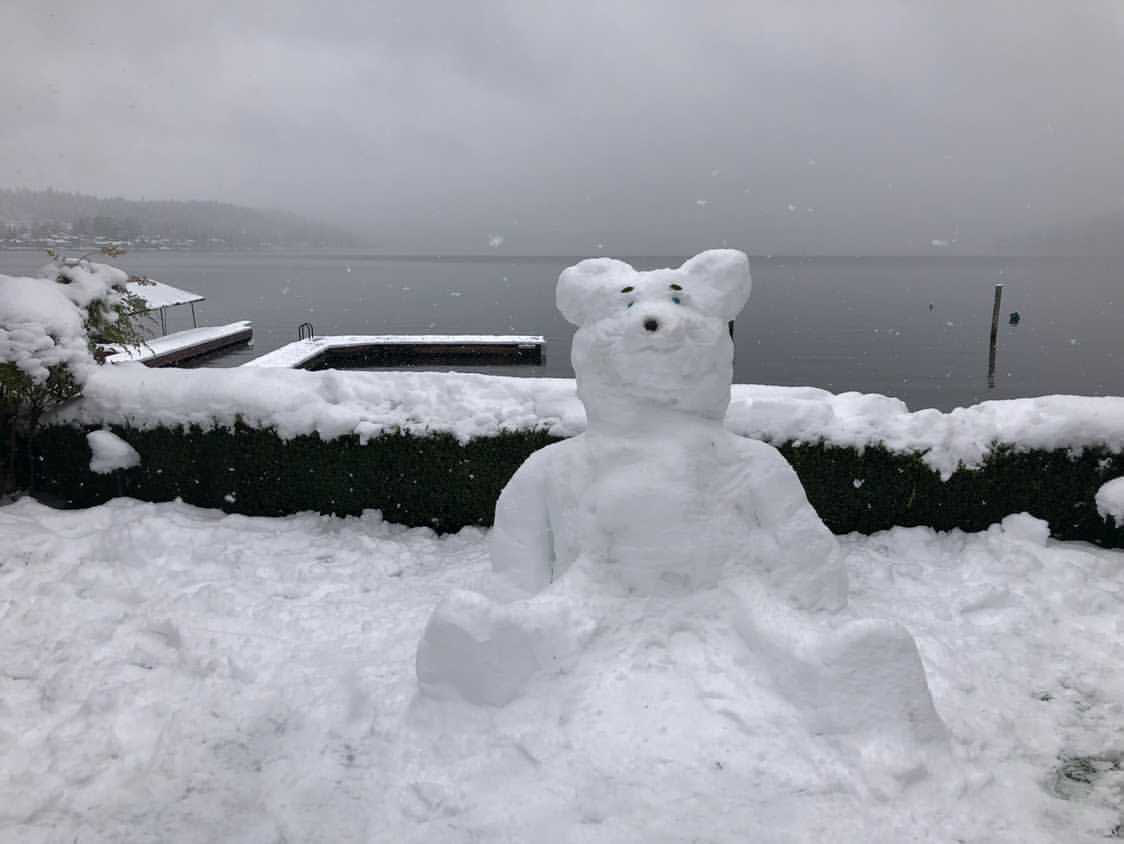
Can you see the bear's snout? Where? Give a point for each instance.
(658, 323)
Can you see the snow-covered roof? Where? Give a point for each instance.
(160, 295)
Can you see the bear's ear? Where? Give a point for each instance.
(719, 281)
(589, 289)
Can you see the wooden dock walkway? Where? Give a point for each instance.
(404, 349)
(171, 349)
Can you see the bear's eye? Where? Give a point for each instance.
(630, 304)
(627, 289)
(676, 287)
(676, 300)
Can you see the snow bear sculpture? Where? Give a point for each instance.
(657, 495)
(658, 501)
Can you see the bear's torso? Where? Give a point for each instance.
(653, 515)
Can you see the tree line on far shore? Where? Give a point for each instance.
(36, 216)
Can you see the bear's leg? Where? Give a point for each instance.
(486, 652)
(861, 681)
(874, 682)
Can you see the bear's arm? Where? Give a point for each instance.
(801, 556)
(521, 542)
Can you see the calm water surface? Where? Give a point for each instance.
(915, 328)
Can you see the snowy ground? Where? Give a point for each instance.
(175, 674)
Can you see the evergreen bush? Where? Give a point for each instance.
(40, 369)
(436, 482)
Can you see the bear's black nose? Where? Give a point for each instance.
(651, 324)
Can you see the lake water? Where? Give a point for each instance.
(915, 328)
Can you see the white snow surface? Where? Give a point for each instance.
(1110, 501)
(175, 674)
(109, 452)
(335, 403)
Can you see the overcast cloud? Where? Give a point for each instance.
(579, 127)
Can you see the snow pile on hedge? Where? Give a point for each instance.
(333, 403)
(176, 674)
(41, 320)
(108, 452)
(1110, 501)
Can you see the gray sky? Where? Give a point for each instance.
(583, 127)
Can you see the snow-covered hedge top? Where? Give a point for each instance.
(333, 403)
(41, 320)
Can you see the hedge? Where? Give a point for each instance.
(435, 481)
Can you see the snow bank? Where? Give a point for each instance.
(1110, 501)
(174, 674)
(336, 403)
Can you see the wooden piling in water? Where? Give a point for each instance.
(994, 336)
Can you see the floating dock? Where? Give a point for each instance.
(180, 346)
(405, 349)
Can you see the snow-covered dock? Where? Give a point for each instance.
(180, 346)
(405, 348)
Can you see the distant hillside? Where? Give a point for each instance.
(30, 217)
(1100, 235)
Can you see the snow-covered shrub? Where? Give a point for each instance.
(49, 329)
(437, 481)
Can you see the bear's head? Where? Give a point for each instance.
(658, 339)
